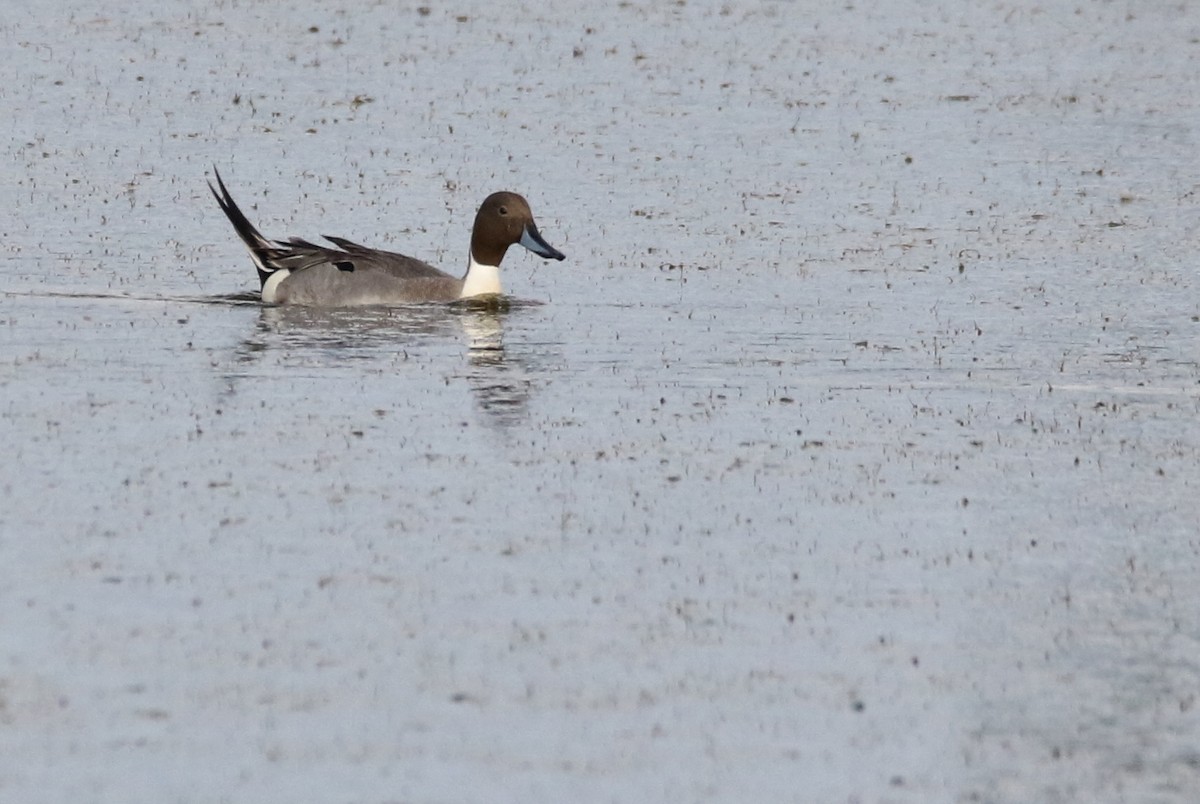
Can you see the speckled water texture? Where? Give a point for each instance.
(852, 456)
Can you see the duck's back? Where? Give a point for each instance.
(357, 275)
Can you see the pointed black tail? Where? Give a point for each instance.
(260, 248)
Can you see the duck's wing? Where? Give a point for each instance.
(399, 265)
(297, 254)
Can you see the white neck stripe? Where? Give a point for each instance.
(481, 280)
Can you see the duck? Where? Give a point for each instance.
(296, 271)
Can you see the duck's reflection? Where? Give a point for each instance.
(346, 332)
(501, 383)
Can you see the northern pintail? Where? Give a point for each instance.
(295, 271)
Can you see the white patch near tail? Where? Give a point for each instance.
(270, 290)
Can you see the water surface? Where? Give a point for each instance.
(851, 456)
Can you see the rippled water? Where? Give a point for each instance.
(851, 456)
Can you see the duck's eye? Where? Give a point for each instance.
(503, 210)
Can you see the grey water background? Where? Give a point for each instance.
(851, 456)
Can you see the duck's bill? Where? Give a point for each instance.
(533, 241)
